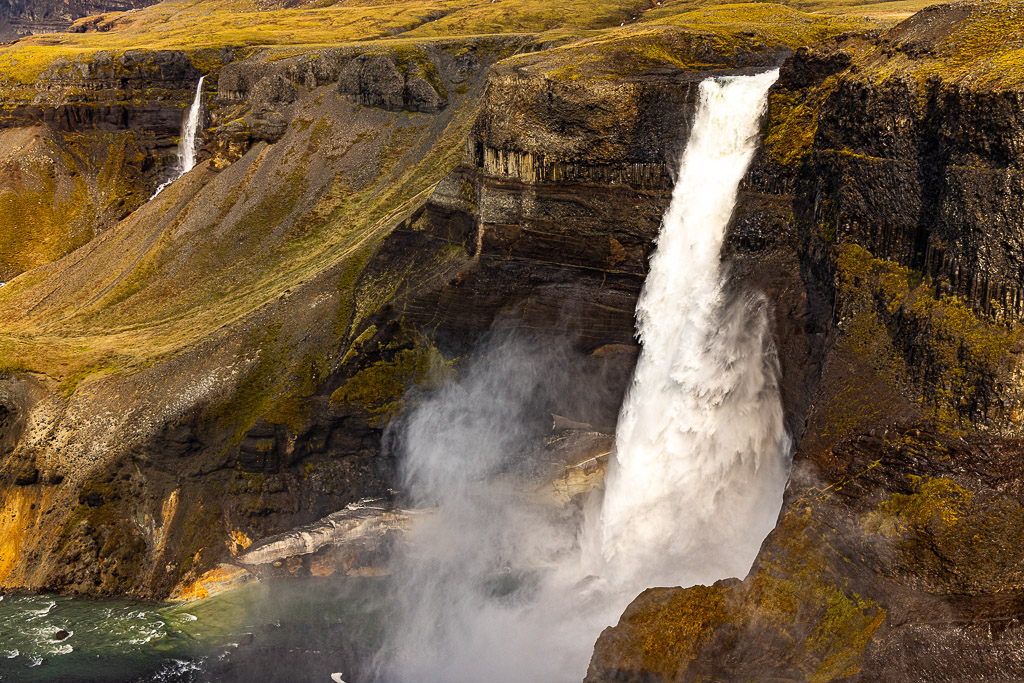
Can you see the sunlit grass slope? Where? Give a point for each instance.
(198, 24)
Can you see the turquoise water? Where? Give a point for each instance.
(291, 630)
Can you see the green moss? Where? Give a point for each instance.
(669, 633)
(70, 383)
(934, 349)
(379, 390)
(293, 406)
(983, 49)
(413, 60)
(254, 394)
(939, 502)
(842, 634)
(792, 591)
(793, 122)
(347, 290)
(711, 38)
(251, 483)
(45, 212)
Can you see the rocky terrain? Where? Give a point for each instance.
(209, 376)
(357, 224)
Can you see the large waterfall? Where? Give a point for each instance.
(188, 145)
(501, 584)
(701, 456)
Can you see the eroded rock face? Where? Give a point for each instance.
(357, 537)
(373, 81)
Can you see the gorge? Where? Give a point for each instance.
(408, 213)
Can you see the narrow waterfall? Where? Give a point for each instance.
(499, 583)
(188, 145)
(701, 455)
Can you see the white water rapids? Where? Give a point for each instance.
(188, 145)
(701, 453)
(500, 585)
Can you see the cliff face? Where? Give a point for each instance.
(22, 17)
(185, 375)
(893, 185)
(83, 145)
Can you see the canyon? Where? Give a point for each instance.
(209, 380)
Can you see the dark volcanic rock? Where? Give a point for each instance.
(373, 81)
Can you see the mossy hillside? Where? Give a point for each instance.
(46, 209)
(380, 388)
(202, 27)
(58, 192)
(329, 199)
(772, 23)
(888, 12)
(532, 16)
(934, 348)
(983, 49)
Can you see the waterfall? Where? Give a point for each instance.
(188, 146)
(501, 584)
(701, 456)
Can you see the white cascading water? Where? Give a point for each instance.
(499, 583)
(188, 146)
(701, 454)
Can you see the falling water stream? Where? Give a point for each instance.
(701, 453)
(188, 146)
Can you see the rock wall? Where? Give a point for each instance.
(23, 17)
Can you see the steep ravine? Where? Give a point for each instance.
(220, 365)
